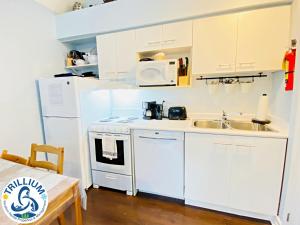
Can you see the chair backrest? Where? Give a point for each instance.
(33, 162)
(13, 158)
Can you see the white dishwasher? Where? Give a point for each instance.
(159, 162)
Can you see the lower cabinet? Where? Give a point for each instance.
(240, 173)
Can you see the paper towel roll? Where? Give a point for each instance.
(263, 108)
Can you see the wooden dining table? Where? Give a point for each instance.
(63, 192)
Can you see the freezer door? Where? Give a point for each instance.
(65, 132)
(59, 97)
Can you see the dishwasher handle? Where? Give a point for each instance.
(158, 138)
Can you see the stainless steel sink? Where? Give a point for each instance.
(211, 124)
(248, 126)
(232, 124)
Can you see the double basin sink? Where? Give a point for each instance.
(232, 124)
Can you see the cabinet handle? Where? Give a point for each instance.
(110, 177)
(224, 65)
(154, 42)
(170, 40)
(220, 143)
(153, 138)
(247, 146)
(247, 64)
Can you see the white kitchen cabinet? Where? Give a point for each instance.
(263, 38)
(253, 41)
(214, 44)
(174, 35)
(256, 174)
(149, 38)
(116, 54)
(126, 53)
(106, 48)
(240, 173)
(159, 162)
(178, 35)
(207, 166)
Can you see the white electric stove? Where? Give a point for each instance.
(116, 172)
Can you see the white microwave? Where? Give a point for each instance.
(157, 73)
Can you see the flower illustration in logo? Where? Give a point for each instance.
(24, 200)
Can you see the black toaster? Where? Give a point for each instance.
(177, 113)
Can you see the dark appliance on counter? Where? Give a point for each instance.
(177, 113)
(153, 111)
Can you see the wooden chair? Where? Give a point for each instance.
(13, 158)
(33, 162)
(58, 168)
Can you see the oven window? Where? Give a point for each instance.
(99, 153)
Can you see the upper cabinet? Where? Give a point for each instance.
(174, 35)
(117, 55)
(252, 41)
(214, 45)
(263, 38)
(149, 38)
(178, 35)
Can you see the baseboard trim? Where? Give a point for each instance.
(274, 220)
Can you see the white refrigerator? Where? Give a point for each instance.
(69, 105)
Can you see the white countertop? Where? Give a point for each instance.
(187, 126)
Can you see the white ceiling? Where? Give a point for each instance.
(58, 6)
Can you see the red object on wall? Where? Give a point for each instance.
(289, 64)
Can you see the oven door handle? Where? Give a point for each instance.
(116, 136)
(154, 138)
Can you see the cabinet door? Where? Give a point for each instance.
(106, 45)
(207, 169)
(125, 53)
(178, 35)
(263, 37)
(214, 45)
(149, 38)
(256, 174)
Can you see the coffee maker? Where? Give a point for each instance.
(153, 111)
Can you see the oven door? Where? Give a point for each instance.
(120, 165)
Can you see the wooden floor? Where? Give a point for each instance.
(107, 207)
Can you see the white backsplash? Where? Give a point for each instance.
(199, 100)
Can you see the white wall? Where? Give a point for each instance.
(28, 51)
(128, 14)
(280, 99)
(199, 100)
(291, 192)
